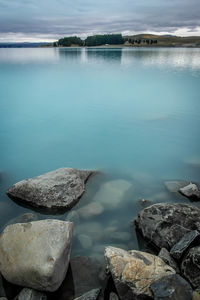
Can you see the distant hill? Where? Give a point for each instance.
(23, 45)
(162, 40)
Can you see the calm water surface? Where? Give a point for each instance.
(133, 114)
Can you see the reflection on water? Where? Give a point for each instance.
(133, 114)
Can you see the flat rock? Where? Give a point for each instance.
(173, 186)
(188, 240)
(190, 267)
(133, 272)
(53, 191)
(29, 294)
(91, 295)
(191, 191)
(111, 193)
(164, 224)
(166, 257)
(171, 287)
(36, 254)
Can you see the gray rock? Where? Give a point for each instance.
(172, 287)
(164, 224)
(36, 254)
(91, 295)
(29, 294)
(188, 240)
(190, 267)
(191, 191)
(113, 296)
(133, 272)
(53, 191)
(174, 185)
(166, 257)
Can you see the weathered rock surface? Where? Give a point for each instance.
(91, 295)
(133, 272)
(191, 191)
(172, 287)
(56, 190)
(164, 224)
(111, 193)
(188, 240)
(190, 267)
(29, 294)
(166, 257)
(174, 185)
(36, 254)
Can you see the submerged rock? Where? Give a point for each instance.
(172, 287)
(111, 193)
(56, 190)
(36, 254)
(166, 257)
(91, 295)
(190, 267)
(90, 210)
(185, 242)
(85, 241)
(133, 272)
(175, 185)
(29, 294)
(191, 191)
(164, 224)
(25, 218)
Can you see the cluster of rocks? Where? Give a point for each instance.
(35, 255)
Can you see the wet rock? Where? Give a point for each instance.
(171, 287)
(166, 257)
(188, 240)
(191, 191)
(164, 224)
(25, 218)
(29, 294)
(190, 267)
(36, 254)
(133, 272)
(111, 193)
(85, 241)
(174, 186)
(91, 295)
(53, 191)
(91, 210)
(113, 296)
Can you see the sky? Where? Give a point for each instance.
(49, 20)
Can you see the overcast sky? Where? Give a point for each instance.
(47, 20)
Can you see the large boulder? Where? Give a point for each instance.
(36, 254)
(172, 287)
(133, 272)
(164, 224)
(53, 191)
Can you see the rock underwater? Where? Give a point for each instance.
(36, 254)
(54, 191)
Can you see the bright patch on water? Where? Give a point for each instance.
(133, 114)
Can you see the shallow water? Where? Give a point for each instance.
(133, 114)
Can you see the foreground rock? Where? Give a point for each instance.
(191, 191)
(91, 295)
(56, 190)
(190, 267)
(189, 239)
(36, 254)
(172, 287)
(164, 224)
(133, 272)
(29, 294)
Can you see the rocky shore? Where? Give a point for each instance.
(35, 255)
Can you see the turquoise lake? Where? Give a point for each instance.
(132, 114)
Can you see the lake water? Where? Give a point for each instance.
(133, 114)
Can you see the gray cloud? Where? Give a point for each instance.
(65, 17)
